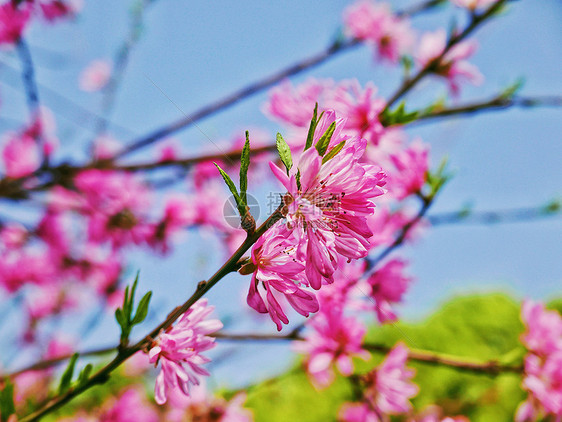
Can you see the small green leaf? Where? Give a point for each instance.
(284, 152)
(324, 141)
(85, 374)
(66, 377)
(7, 406)
(239, 204)
(244, 165)
(119, 317)
(142, 309)
(333, 152)
(312, 128)
(397, 117)
(509, 92)
(298, 179)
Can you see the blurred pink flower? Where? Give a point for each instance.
(335, 339)
(179, 350)
(13, 20)
(131, 406)
(96, 75)
(105, 147)
(410, 168)
(20, 155)
(388, 391)
(543, 334)
(453, 66)
(378, 25)
(388, 285)
(179, 213)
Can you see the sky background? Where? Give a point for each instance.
(198, 51)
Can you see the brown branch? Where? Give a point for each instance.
(492, 367)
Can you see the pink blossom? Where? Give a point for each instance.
(474, 4)
(178, 214)
(13, 236)
(55, 9)
(543, 333)
(202, 406)
(96, 75)
(375, 23)
(388, 285)
(105, 147)
(327, 208)
(453, 65)
(13, 20)
(295, 105)
(361, 107)
(411, 166)
(334, 341)
(433, 413)
(388, 391)
(130, 407)
(179, 350)
(20, 155)
(276, 271)
(543, 381)
(116, 204)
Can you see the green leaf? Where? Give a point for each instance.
(85, 374)
(66, 377)
(244, 165)
(398, 117)
(513, 89)
(120, 318)
(324, 141)
(7, 406)
(298, 179)
(333, 152)
(284, 152)
(312, 128)
(240, 205)
(142, 309)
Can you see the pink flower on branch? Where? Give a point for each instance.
(179, 351)
(453, 65)
(334, 341)
(96, 75)
(375, 23)
(329, 198)
(388, 390)
(13, 20)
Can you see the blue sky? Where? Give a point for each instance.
(197, 51)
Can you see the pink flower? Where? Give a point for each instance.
(361, 107)
(130, 407)
(105, 147)
(13, 236)
(20, 155)
(453, 65)
(388, 390)
(116, 204)
(96, 75)
(543, 381)
(295, 105)
(179, 350)
(543, 334)
(55, 9)
(178, 214)
(13, 20)
(474, 4)
(376, 24)
(433, 413)
(411, 166)
(201, 406)
(327, 208)
(388, 285)
(334, 341)
(276, 271)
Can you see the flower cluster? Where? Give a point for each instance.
(387, 392)
(179, 351)
(543, 364)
